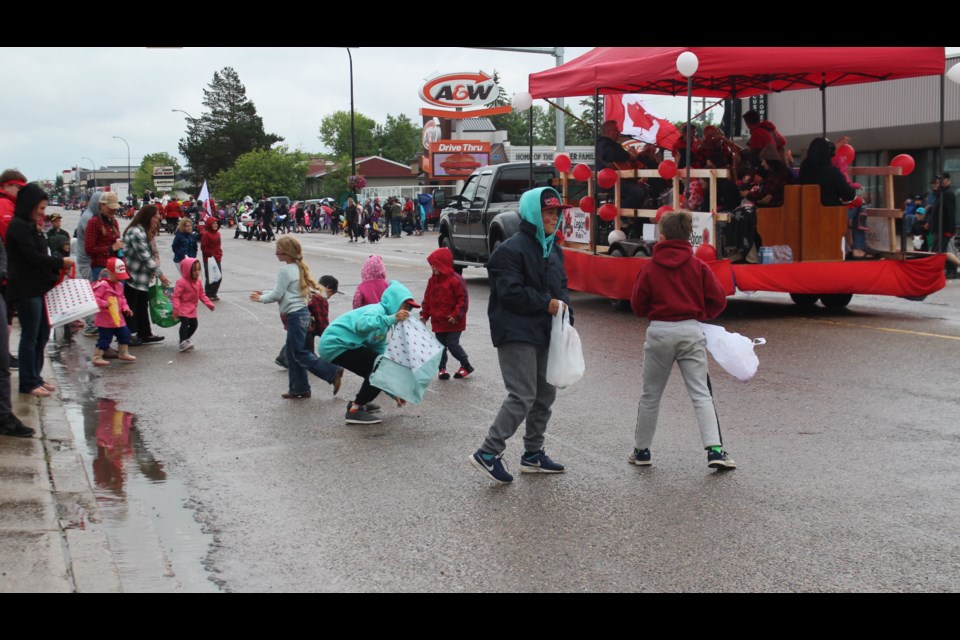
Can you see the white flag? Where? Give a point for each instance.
(205, 198)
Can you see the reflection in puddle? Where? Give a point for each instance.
(154, 540)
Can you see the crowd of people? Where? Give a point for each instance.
(528, 287)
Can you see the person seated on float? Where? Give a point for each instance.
(649, 158)
(609, 154)
(817, 168)
(718, 152)
(775, 176)
(763, 133)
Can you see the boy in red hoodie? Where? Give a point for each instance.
(677, 291)
(186, 294)
(446, 301)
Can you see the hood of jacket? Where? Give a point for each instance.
(672, 253)
(531, 212)
(373, 269)
(185, 266)
(93, 204)
(208, 224)
(394, 296)
(442, 261)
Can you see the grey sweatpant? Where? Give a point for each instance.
(684, 343)
(529, 397)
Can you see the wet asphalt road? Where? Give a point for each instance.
(846, 442)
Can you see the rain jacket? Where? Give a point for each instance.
(675, 286)
(446, 295)
(210, 241)
(526, 272)
(113, 304)
(764, 133)
(374, 275)
(7, 205)
(93, 206)
(188, 292)
(31, 270)
(184, 245)
(366, 327)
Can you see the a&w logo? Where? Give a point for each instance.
(458, 90)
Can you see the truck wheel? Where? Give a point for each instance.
(836, 300)
(804, 299)
(445, 242)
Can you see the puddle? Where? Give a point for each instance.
(155, 542)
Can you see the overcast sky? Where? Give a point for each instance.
(61, 104)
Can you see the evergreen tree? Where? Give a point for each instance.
(229, 129)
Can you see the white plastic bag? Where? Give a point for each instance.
(732, 351)
(213, 269)
(565, 363)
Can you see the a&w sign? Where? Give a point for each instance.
(460, 90)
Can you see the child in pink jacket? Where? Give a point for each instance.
(108, 291)
(374, 275)
(186, 294)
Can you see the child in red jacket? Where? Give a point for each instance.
(187, 293)
(446, 302)
(210, 248)
(677, 291)
(110, 322)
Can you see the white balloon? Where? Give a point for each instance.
(954, 73)
(687, 63)
(616, 236)
(522, 101)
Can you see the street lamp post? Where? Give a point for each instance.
(353, 137)
(93, 165)
(129, 186)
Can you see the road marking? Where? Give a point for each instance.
(923, 334)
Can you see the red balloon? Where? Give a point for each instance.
(706, 252)
(662, 210)
(608, 212)
(586, 204)
(667, 169)
(582, 172)
(846, 152)
(607, 178)
(905, 162)
(562, 162)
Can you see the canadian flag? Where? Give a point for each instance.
(635, 118)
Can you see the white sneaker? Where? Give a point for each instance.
(186, 345)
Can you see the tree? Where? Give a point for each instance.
(269, 171)
(143, 178)
(335, 134)
(398, 140)
(227, 131)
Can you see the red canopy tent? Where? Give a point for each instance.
(740, 72)
(732, 72)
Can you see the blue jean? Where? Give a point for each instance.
(34, 333)
(859, 235)
(300, 359)
(395, 226)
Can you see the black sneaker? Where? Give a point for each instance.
(152, 339)
(493, 467)
(640, 457)
(720, 460)
(443, 375)
(359, 416)
(539, 462)
(136, 342)
(10, 425)
(371, 408)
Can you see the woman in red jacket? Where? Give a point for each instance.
(446, 301)
(210, 248)
(102, 239)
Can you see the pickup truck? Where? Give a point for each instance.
(486, 212)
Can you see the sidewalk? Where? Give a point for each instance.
(49, 540)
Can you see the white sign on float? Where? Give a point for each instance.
(702, 229)
(576, 225)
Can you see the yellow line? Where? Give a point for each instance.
(887, 329)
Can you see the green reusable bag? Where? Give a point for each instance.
(161, 306)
